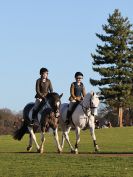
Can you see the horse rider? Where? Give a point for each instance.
(43, 87)
(77, 93)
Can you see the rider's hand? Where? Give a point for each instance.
(78, 98)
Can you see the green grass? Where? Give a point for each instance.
(16, 162)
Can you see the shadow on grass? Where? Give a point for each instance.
(95, 154)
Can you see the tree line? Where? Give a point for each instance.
(9, 121)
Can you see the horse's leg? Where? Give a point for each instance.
(42, 141)
(65, 133)
(92, 131)
(30, 143)
(77, 130)
(34, 138)
(55, 133)
(65, 136)
(62, 141)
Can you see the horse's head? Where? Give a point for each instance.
(94, 103)
(94, 100)
(91, 101)
(55, 102)
(49, 120)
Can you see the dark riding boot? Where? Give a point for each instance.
(35, 111)
(68, 118)
(34, 116)
(70, 112)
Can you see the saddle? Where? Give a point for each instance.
(70, 112)
(74, 106)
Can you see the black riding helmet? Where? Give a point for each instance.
(78, 74)
(43, 70)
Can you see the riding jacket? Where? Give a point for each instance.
(77, 92)
(43, 88)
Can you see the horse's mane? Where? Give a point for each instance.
(52, 94)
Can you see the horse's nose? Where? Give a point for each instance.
(94, 112)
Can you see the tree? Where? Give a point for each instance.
(114, 62)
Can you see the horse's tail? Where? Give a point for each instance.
(18, 134)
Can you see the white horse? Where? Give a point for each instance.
(82, 117)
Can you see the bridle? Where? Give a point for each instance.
(54, 109)
(87, 109)
(54, 102)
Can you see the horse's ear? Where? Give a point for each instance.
(92, 92)
(98, 94)
(61, 95)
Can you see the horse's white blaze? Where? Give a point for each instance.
(58, 104)
(57, 114)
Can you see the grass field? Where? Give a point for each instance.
(15, 161)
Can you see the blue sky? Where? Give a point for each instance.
(57, 34)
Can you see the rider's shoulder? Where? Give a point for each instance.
(38, 80)
(82, 84)
(48, 80)
(73, 83)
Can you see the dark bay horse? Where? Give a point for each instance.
(47, 118)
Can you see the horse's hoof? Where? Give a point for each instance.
(97, 149)
(38, 150)
(41, 151)
(76, 151)
(59, 151)
(29, 148)
(72, 151)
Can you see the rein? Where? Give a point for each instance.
(85, 109)
(46, 106)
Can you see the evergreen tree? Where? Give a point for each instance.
(114, 62)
